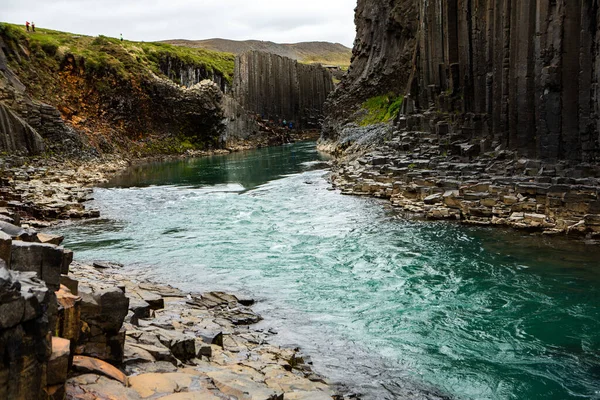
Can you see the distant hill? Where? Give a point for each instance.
(308, 52)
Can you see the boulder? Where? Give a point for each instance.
(103, 306)
(155, 301)
(140, 310)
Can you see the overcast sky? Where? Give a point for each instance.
(275, 20)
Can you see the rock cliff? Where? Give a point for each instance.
(98, 95)
(484, 111)
(521, 75)
(277, 87)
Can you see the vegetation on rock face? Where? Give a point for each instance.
(108, 89)
(381, 109)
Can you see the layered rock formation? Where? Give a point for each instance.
(277, 87)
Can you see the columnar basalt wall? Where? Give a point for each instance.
(280, 88)
(189, 75)
(518, 74)
(529, 67)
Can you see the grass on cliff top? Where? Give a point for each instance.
(381, 109)
(103, 54)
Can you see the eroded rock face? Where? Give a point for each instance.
(28, 126)
(280, 88)
(521, 75)
(383, 51)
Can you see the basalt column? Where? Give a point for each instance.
(277, 87)
(526, 70)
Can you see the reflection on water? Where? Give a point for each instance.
(248, 169)
(390, 306)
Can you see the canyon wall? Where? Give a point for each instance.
(189, 74)
(277, 87)
(520, 75)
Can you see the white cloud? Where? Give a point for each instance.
(277, 21)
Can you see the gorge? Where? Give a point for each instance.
(439, 241)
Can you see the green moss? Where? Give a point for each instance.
(381, 109)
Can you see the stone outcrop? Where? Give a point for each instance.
(16, 136)
(381, 58)
(188, 74)
(25, 340)
(276, 87)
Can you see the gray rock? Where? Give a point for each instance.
(46, 260)
(104, 307)
(5, 248)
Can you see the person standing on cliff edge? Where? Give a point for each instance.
(121, 37)
(32, 26)
(27, 25)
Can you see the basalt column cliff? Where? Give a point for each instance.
(485, 111)
(523, 74)
(277, 87)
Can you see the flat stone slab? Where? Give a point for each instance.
(154, 384)
(98, 367)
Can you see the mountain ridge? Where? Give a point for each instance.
(308, 52)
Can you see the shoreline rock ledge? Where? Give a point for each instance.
(82, 332)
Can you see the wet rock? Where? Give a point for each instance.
(106, 265)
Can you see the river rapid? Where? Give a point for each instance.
(392, 308)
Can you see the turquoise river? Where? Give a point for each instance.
(390, 307)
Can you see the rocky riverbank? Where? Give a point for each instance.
(426, 170)
(75, 331)
(39, 192)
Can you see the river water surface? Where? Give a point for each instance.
(392, 307)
